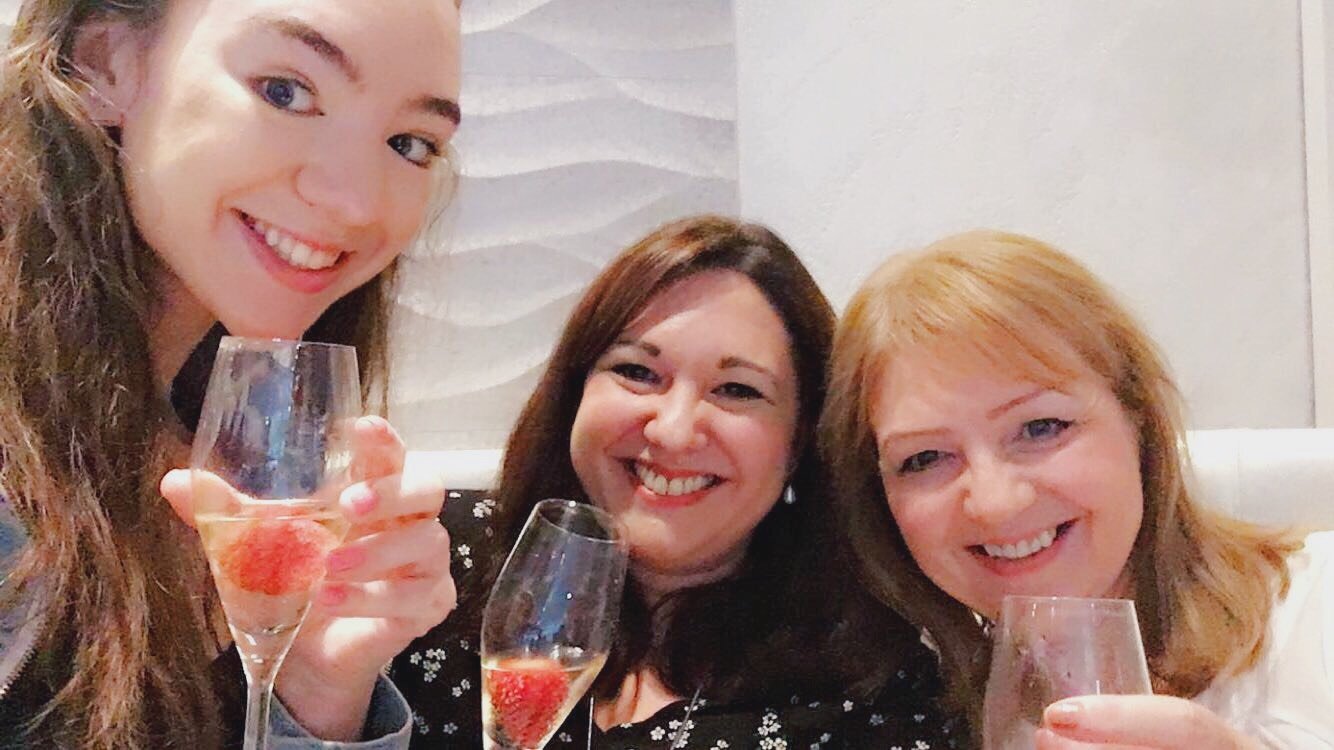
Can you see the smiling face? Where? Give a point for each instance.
(1001, 485)
(277, 154)
(686, 424)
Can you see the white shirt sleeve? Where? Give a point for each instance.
(1286, 700)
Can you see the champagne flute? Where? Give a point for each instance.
(550, 622)
(1050, 648)
(270, 457)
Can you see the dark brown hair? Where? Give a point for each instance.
(129, 605)
(1203, 582)
(770, 627)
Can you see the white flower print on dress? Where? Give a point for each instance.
(484, 508)
(680, 733)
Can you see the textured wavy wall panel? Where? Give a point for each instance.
(586, 123)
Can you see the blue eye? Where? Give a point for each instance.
(287, 94)
(414, 148)
(1039, 429)
(918, 462)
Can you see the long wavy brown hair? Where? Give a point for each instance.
(128, 643)
(1204, 583)
(780, 623)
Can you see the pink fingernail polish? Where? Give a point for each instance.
(1063, 714)
(371, 423)
(333, 594)
(344, 559)
(362, 500)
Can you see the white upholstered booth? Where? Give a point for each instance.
(1269, 476)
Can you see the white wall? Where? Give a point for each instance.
(586, 124)
(1160, 142)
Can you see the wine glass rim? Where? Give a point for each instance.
(1073, 599)
(604, 519)
(1022, 601)
(267, 342)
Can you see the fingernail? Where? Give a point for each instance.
(361, 498)
(371, 423)
(1063, 714)
(333, 594)
(345, 558)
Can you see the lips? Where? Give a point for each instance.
(666, 488)
(299, 264)
(1025, 554)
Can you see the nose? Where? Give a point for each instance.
(345, 183)
(996, 491)
(674, 423)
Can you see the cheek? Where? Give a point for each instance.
(581, 445)
(410, 203)
(923, 522)
(595, 425)
(917, 513)
(763, 444)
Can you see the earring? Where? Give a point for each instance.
(789, 495)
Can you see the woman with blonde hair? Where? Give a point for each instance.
(168, 166)
(999, 424)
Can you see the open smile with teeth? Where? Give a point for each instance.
(292, 250)
(1027, 547)
(660, 485)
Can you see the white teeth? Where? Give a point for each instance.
(294, 251)
(301, 254)
(660, 485)
(1023, 549)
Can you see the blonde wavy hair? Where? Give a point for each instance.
(1204, 583)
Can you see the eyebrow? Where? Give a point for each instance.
(890, 437)
(723, 364)
(1014, 402)
(311, 37)
(729, 362)
(438, 105)
(647, 348)
(324, 47)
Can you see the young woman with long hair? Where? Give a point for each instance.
(165, 166)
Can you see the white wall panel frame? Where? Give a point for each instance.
(1318, 94)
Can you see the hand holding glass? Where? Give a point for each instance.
(1050, 648)
(270, 457)
(550, 622)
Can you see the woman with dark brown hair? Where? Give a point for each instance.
(682, 397)
(998, 424)
(165, 166)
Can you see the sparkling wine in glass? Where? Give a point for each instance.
(270, 457)
(1050, 648)
(550, 622)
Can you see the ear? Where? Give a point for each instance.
(108, 57)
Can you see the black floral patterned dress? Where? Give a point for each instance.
(440, 674)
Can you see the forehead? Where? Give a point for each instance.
(714, 309)
(957, 373)
(414, 41)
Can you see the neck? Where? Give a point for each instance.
(178, 323)
(657, 583)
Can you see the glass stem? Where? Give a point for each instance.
(259, 693)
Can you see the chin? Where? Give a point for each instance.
(266, 329)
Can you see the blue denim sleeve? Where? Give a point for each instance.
(388, 725)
